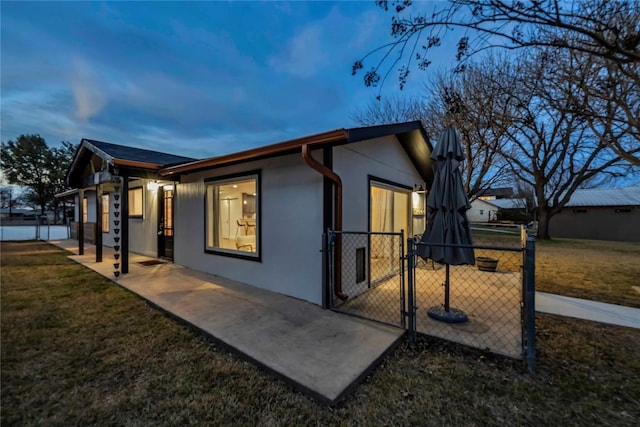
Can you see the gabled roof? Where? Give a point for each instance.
(508, 203)
(629, 196)
(411, 135)
(116, 155)
(121, 154)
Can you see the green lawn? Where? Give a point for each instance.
(79, 350)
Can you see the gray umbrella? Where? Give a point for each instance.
(447, 219)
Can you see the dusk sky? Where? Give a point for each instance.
(198, 79)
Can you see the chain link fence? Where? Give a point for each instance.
(496, 295)
(371, 274)
(488, 294)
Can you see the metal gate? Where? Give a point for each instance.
(370, 269)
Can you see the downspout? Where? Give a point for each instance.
(337, 205)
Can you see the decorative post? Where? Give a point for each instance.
(116, 225)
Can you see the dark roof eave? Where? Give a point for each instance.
(334, 137)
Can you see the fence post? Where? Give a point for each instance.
(330, 261)
(403, 320)
(530, 303)
(411, 303)
(325, 275)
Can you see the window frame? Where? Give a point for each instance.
(235, 253)
(130, 191)
(106, 213)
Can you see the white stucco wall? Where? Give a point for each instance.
(383, 158)
(290, 221)
(91, 205)
(143, 232)
(107, 238)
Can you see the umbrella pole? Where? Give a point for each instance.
(446, 289)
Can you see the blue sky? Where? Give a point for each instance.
(198, 79)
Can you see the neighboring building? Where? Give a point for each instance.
(600, 214)
(487, 210)
(495, 193)
(256, 216)
(482, 211)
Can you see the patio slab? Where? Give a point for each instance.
(320, 351)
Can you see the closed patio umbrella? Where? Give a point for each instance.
(447, 219)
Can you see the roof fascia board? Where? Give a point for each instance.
(287, 147)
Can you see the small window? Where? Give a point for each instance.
(623, 210)
(233, 216)
(135, 202)
(105, 213)
(85, 210)
(481, 211)
(579, 211)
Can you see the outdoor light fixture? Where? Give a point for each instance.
(152, 185)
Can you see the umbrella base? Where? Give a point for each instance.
(454, 315)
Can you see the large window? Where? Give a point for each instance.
(135, 202)
(233, 223)
(105, 213)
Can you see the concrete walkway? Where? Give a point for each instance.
(320, 351)
(589, 310)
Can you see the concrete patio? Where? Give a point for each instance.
(320, 351)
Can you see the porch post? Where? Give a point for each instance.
(98, 241)
(80, 222)
(124, 222)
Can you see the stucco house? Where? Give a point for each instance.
(600, 214)
(256, 216)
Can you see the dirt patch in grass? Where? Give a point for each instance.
(78, 349)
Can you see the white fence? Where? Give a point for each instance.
(33, 232)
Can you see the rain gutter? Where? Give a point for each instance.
(337, 205)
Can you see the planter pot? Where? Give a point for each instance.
(486, 263)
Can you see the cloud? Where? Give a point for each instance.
(87, 91)
(305, 55)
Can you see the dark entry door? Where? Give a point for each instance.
(165, 223)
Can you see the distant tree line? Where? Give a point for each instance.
(41, 170)
(559, 110)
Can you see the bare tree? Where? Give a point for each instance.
(551, 148)
(389, 110)
(606, 31)
(603, 28)
(606, 94)
(461, 101)
(466, 103)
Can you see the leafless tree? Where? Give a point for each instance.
(606, 32)
(605, 93)
(463, 102)
(603, 28)
(551, 148)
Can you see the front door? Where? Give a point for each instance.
(165, 222)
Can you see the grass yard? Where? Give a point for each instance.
(589, 269)
(79, 350)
